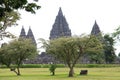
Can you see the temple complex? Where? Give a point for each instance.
(60, 28)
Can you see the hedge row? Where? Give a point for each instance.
(62, 65)
(96, 65)
(35, 66)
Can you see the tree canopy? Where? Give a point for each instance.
(16, 52)
(109, 49)
(10, 5)
(70, 49)
(8, 20)
(9, 13)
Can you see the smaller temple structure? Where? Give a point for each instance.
(22, 33)
(28, 36)
(95, 30)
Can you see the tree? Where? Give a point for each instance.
(11, 5)
(116, 34)
(5, 58)
(52, 69)
(9, 13)
(70, 49)
(96, 57)
(8, 20)
(17, 51)
(118, 54)
(109, 49)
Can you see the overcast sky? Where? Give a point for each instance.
(80, 15)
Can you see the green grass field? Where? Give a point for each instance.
(61, 74)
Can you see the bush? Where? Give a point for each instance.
(52, 69)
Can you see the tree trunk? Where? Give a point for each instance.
(53, 73)
(71, 72)
(18, 71)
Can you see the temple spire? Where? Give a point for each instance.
(95, 29)
(60, 13)
(22, 33)
(31, 36)
(96, 32)
(28, 36)
(60, 27)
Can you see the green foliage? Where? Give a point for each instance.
(22, 48)
(31, 66)
(96, 57)
(11, 5)
(70, 49)
(17, 51)
(8, 20)
(31, 6)
(5, 58)
(60, 65)
(63, 66)
(109, 49)
(9, 14)
(116, 34)
(96, 65)
(119, 55)
(52, 69)
(36, 66)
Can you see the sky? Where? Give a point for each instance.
(80, 15)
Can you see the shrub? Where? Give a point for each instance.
(52, 69)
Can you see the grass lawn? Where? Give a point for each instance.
(61, 74)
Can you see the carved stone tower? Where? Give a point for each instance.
(95, 30)
(23, 33)
(60, 27)
(29, 35)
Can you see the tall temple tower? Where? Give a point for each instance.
(23, 33)
(31, 36)
(95, 30)
(28, 36)
(60, 27)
